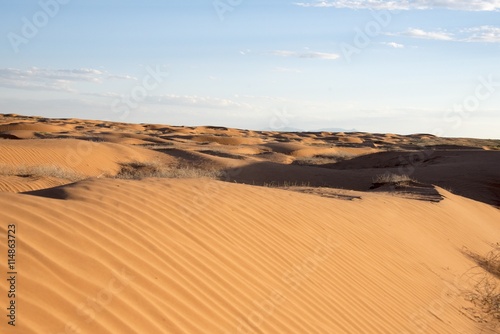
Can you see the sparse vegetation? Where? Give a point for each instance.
(157, 146)
(485, 292)
(42, 134)
(222, 154)
(40, 171)
(286, 184)
(448, 189)
(141, 170)
(322, 159)
(92, 138)
(394, 179)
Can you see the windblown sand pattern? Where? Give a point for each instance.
(242, 231)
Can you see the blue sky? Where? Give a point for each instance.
(421, 66)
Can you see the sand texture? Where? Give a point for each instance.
(142, 228)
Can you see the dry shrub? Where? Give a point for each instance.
(40, 171)
(395, 179)
(286, 184)
(222, 153)
(141, 170)
(485, 291)
(323, 159)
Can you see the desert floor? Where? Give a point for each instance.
(149, 228)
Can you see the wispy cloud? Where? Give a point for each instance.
(245, 52)
(394, 45)
(306, 54)
(53, 79)
(463, 5)
(179, 100)
(286, 70)
(419, 33)
(485, 34)
(354, 4)
(63, 80)
(195, 101)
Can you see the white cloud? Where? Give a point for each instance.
(394, 45)
(355, 4)
(54, 80)
(286, 70)
(306, 54)
(194, 101)
(463, 5)
(487, 34)
(62, 80)
(419, 33)
(120, 77)
(178, 100)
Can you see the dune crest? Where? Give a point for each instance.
(148, 228)
(170, 256)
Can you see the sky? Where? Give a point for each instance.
(400, 66)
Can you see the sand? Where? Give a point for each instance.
(321, 251)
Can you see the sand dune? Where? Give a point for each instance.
(470, 173)
(212, 257)
(66, 159)
(328, 246)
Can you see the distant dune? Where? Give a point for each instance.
(150, 228)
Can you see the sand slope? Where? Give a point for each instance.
(204, 256)
(331, 250)
(471, 173)
(65, 160)
(468, 167)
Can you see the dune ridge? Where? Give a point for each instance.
(321, 159)
(243, 231)
(126, 256)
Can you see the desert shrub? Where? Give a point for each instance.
(141, 170)
(222, 153)
(391, 178)
(322, 159)
(485, 291)
(157, 146)
(40, 171)
(286, 184)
